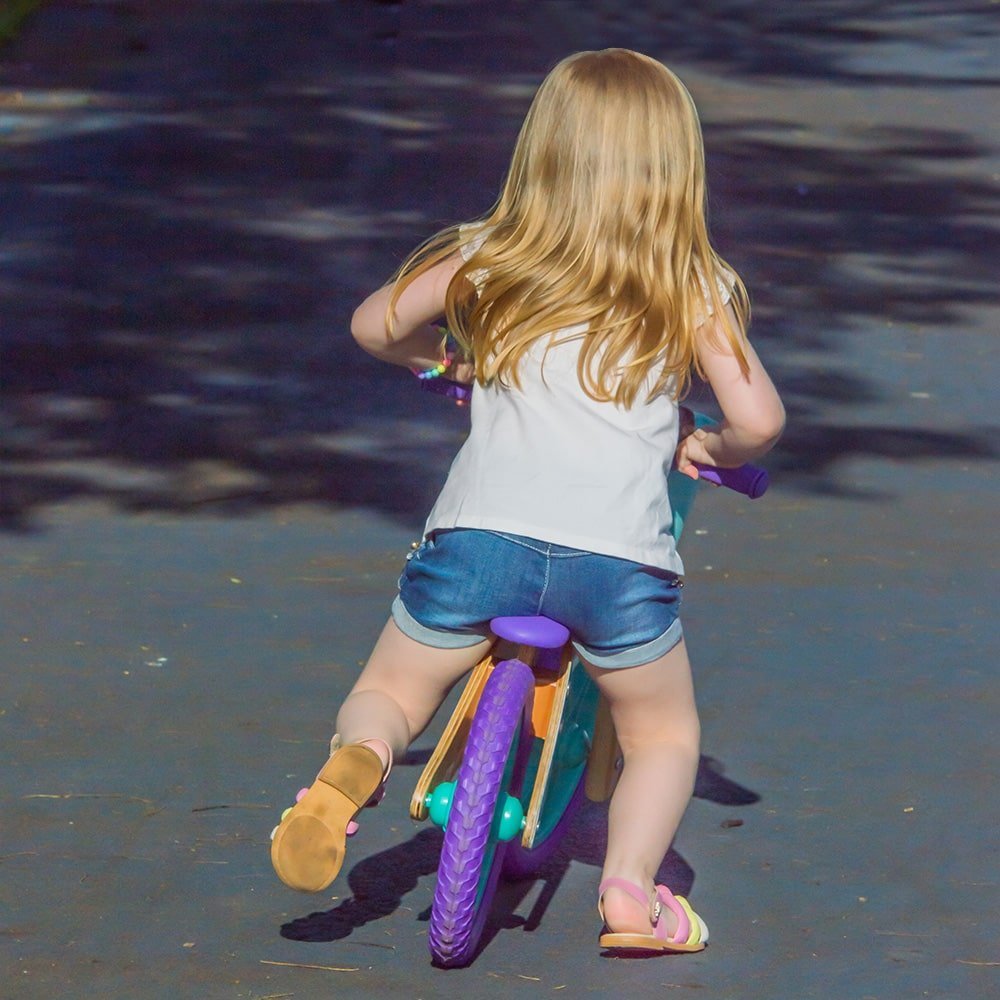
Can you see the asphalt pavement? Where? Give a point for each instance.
(207, 494)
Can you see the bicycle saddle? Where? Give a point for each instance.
(531, 630)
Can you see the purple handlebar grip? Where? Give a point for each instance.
(445, 387)
(749, 479)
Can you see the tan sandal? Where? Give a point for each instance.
(308, 846)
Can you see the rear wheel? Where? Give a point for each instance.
(493, 767)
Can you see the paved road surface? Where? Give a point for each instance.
(208, 492)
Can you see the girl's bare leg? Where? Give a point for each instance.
(400, 689)
(656, 722)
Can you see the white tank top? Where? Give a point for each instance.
(549, 462)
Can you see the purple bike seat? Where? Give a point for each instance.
(533, 630)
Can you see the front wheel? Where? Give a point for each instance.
(493, 767)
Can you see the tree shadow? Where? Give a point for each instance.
(186, 231)
(894, 43)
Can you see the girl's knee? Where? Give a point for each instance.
(680, 734)
(669, 719)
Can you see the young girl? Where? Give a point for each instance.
(580, 306)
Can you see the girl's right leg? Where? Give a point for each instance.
(399, 690)
(395, 697)
(656, 722)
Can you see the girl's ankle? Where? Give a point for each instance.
(383, 750)
(623, 914)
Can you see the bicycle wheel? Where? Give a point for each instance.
(471, 855)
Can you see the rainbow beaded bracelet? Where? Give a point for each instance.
(435, 371)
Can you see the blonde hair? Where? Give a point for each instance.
(601, 221)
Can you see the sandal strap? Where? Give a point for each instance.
(336, 743)
(629, 888)
(699, 929)
(683, 933)
(388, 753)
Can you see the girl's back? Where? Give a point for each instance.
(548, 461)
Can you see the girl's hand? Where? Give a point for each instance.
(691, 445)
(463, 372)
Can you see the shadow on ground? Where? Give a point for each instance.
(186, 231)
(379, 883)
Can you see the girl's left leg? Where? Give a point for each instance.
(656, 721)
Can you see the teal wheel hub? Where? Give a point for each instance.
(438, 803)
(512, 819)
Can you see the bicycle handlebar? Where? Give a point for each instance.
(458, 391)
(750, 480)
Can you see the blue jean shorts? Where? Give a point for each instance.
(619, 613)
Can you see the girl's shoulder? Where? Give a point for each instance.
(472, 236)
(725, 281)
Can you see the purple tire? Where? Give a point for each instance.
(472, 854)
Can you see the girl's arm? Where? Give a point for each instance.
(414, 343)
(753, 415)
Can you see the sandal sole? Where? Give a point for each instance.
(309, 845)
(646, 942)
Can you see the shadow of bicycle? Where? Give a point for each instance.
(380, 883)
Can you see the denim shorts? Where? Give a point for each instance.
(619, 613)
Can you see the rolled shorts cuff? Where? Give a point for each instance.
(637, 655)
(409, 626)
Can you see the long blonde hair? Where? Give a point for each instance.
(601, 221)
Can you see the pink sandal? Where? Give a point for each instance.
(691, 934)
